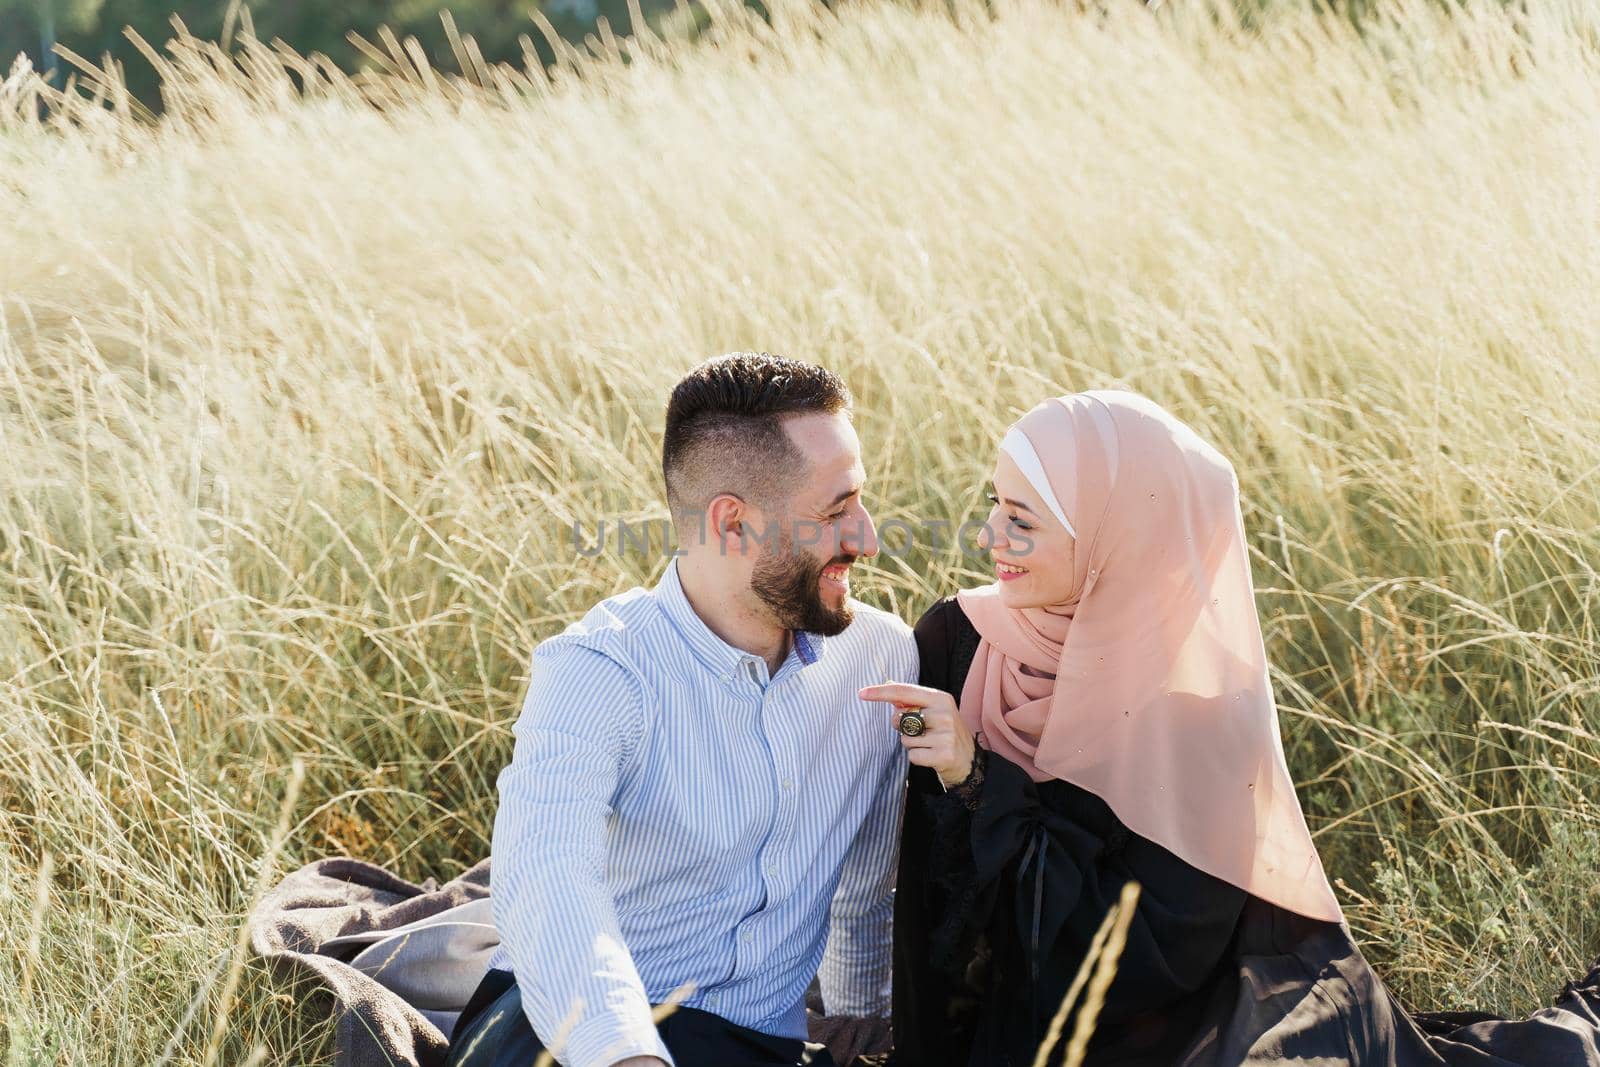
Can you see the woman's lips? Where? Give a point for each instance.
(1008, 572)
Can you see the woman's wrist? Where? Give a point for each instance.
(970, 787)
(961, 760)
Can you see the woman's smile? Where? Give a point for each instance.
(1008, 572)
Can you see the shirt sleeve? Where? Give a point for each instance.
(557, 920)
(856, 965)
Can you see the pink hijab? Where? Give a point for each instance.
(1161, 704)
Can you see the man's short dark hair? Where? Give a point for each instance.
(725, 434)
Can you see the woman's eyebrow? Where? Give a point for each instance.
(1014, 503)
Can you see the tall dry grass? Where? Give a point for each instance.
(302, 387)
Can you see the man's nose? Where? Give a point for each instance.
(864, 541)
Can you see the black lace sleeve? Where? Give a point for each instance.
(958, 895)
(963, 900)
(969, 791)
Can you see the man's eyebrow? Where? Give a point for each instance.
(846, 495)
(1014, 503)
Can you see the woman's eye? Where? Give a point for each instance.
(1019, 525)
(991, 498)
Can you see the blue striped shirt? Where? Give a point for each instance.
(672, 816)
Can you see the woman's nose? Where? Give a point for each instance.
(990, 534)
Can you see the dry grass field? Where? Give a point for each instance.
(303, 386)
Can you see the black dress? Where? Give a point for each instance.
(1002, 887)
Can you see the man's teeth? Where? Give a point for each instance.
(1007, 568)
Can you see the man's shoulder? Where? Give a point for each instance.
(874, 622)
(875, 640)
(611, 627)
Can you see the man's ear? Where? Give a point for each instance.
(727, 515)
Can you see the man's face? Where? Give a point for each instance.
(803, 572)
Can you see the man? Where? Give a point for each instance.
(698, 802)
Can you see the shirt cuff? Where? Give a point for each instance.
(607, 1039)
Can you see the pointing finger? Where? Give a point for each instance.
(917, 696)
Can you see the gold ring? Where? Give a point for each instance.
(912, 725)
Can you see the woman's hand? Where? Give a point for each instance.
(945, 744)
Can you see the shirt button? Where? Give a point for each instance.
(747, 937)
(788, 783)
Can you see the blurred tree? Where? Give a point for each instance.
(94, 28)
(41, 20)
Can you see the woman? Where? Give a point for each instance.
(1102, 713)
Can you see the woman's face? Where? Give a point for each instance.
(1033, 553)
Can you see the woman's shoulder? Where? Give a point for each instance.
(946, 641)
(943, 618)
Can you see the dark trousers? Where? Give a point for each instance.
(493, 1031)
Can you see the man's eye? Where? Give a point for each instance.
(1019, 525)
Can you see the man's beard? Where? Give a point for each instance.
(787, 582)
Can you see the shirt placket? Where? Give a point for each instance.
(777, 729)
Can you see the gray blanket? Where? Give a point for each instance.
(402, 959)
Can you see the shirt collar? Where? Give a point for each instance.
(721, 657)
(808, 646)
